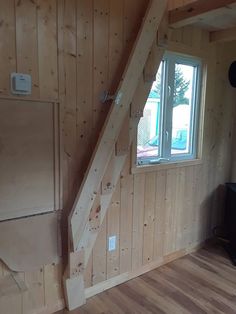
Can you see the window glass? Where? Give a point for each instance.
(168, 129)
(148, 140)
(182, 109)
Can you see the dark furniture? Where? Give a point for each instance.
(230, 220)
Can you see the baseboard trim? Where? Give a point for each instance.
(110, 283)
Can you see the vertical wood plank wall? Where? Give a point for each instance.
(173, 4)
(74, 50)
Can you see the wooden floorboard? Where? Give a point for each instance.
(202, 282)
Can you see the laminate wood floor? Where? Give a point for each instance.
(202, 282)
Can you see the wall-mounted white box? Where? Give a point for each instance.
(21, 84)
(111, 243)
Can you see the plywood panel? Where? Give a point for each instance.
(28, 252)
(27, 163)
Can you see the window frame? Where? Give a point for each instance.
(169, 60)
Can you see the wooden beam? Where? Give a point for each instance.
(193, 12)
(93, 177)
(228, 34)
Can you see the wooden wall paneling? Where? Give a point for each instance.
(7, 46)
(119, 161)
(192, 220)
(47, 42)
(200, 203)
(100, 255)
(176, 35)
(113, 229)
(211, 132)
(126, 199)
(198, 219)
(149, 217)
(116, 44)
(52, 287)
(27, 42)
(197, 34)
(103, 150)
(222, 126)
(209, 100)
(34, 298)
(160, 214)
(188, 206)
(133, 13)
(173, 4)
(70, 99)
(15, 302)
(170, 222)
(138, 218)
(197, 196)
(85, 70)
(11, 299)
(88, 272)
(61, 96)
(101, 64)
(206, 203)
(187, 35)
(180, 200)
(138, 100)
(223, 35)
(185, 210)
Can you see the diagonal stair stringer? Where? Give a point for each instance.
(106, 164)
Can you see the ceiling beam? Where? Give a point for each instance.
(228, 34)
(193, 12)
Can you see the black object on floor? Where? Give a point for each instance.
(230, 221)
(231, 252)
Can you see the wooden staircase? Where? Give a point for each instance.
(95, 194)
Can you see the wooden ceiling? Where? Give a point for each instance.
(217, 16)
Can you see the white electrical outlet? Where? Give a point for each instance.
(112, 243)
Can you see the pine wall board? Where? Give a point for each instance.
(173, 4)
(74, 50)
(174, 209)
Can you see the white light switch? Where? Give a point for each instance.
(21, 84)
(112, 243)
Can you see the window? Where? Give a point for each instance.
(168, 130)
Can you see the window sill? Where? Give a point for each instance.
(169, 165)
